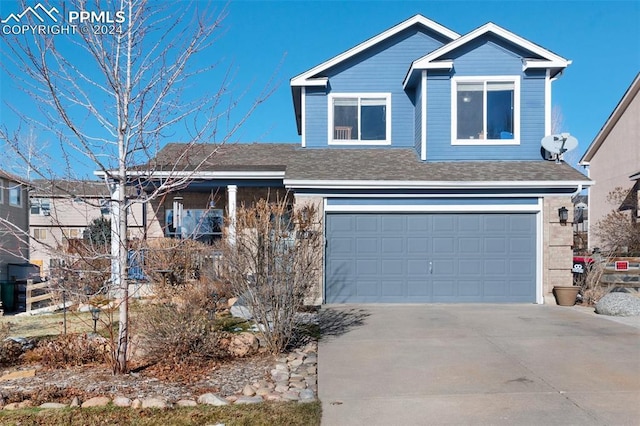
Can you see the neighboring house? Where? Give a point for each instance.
(14, 225)
(613, 160)
(580, 223)
(422, 149)
(61, 210)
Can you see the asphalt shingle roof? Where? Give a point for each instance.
(396, 164)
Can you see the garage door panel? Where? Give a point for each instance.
(366, 246)
(392, 245)
(366, 267)
(392, 267)
(430, 257)
(418, 288)
(469, 288)
(367, 223)
(367, 287)
(417, 245)
(495, 245)
(392, 288)
(416, 223)
(470, 267)
(470, 245)
(444, 245)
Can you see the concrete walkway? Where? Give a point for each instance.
(476, 365)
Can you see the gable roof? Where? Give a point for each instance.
(549, 59)
(307, 77)
(617, 113)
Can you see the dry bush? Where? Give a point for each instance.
(10, 352)
(183, 259)
(619, 231)
(182, 328)
(71, 349)
(273, 264)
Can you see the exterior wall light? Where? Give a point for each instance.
(563, 214)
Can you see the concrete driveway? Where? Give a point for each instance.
(476, 364)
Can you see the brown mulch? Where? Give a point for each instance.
(169, 381)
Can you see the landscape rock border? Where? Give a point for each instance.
(293, 378)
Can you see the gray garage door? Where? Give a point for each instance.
(387, 258)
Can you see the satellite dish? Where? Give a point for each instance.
(558, 144)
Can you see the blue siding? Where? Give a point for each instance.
(418, 118)
(485, 57)
(381, 68)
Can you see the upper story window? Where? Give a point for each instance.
(15, 196)
(485, 110)
(360, 119)
(41, 206)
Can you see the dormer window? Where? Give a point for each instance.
(359, 119)
(485, 110)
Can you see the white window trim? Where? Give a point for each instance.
(332, 141)
(454, 109)
(21, 195)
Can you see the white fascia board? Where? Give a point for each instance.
(397, 184)
(538, 63)
(540, 253)
(305, 78)
(435, 65)
(383, 208)
(209, 174)
(501, 32)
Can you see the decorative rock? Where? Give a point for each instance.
(75, 402)
(240, 311)
(11, 406)
(244, 344)
(263, 391)
(53, 405)
(312, 370)
(154, 403)
(232, 398)
(212, 399)
(296, 377)
(249, 400)
(618, 304)
(298, 385)
(122, 401)
(311, 359)
(186, 403)
(272, 397)
(307, 395)
(232, 301)
(282, 366)
(248, 390)
(291, 395)
(279, 376)
(282, 388)
(136, 404)
(98, 401)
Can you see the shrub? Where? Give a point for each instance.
(182, 328)
(71, 349)
(274, 265)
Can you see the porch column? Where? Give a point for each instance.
(231, 211)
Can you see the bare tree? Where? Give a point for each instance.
(273, 265)
(113, 94)
(619, 230)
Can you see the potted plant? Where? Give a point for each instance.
(566, 295)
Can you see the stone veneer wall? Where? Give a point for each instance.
(301, 200)
(558, 250)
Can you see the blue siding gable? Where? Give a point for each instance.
(486, 56)
(381, 68)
